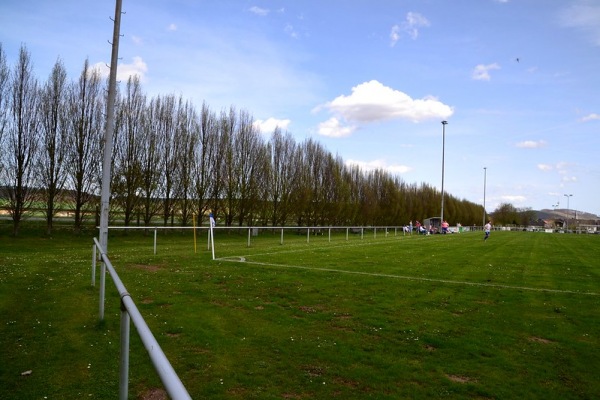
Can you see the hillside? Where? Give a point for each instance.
(562, 213)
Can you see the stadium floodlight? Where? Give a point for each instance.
(108, 147)
(484, 184)
(568, 196)
(444, 123)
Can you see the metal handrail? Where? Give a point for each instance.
(129, 310)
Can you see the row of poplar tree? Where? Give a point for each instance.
(172, 160)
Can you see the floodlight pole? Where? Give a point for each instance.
(444, 123)
(568, 212)
(484, 184)
(108, 147)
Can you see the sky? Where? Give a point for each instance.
(517, 80)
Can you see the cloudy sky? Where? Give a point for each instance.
(517, 80)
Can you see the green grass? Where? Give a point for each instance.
(386, 317)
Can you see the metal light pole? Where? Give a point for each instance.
(108, 147)
(484, 183)
(568, 196)
(444, 123)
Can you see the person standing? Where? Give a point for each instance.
(445, 226)
(487, 228)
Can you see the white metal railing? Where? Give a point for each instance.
(129, 312)
(314, 230)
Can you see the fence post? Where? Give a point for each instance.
(94, 265)
(249, 229)
(102, 288)
(124, 365)
(307, 235)
(329, 235)
(346, 233)
(154, 241)
(281, 242)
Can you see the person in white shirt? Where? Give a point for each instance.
(487, 228)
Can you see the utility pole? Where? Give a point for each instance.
(108, 146)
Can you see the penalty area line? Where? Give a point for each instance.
(404, 277)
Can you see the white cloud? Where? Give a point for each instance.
(409, 26)
(124, 71)
(372, 101)
(333, 128)
(482, 72)
(585, 16)
(269, 125)
(591, 117)
(545, 167)
(137, 40)
(380, 164)
(531, 144)
(172, 27)
(563, 169)
(394, 35)
(289, 29)
(259, 11)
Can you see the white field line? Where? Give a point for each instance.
(409, 278)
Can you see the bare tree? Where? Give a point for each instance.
(283, 175)
(206, 149)
(249, 153)
(150, 160)
(186, 150)
(218, 162)
(51, 160)
(336, 191)
(4, 102)
(166, 126)
(127, 177)
(84, 132)
(312, 189)
(228, 124)
(18, 175)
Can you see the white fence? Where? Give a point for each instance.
(253, 231)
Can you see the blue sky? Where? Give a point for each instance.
(517, 80)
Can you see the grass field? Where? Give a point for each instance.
(386, 318)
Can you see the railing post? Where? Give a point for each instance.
(124, 365)
(249, 229)
(329, 235)
(346, 233)
(307, 235)
(154, 241)
(94, 265)
(102, 289)
(281, 236)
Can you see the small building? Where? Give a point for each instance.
(434, 222)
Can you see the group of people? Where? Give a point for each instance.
(445, 228)
(430, 230)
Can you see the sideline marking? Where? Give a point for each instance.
(409, 278)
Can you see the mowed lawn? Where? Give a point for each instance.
(383, 317)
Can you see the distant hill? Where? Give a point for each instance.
(562, 213)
